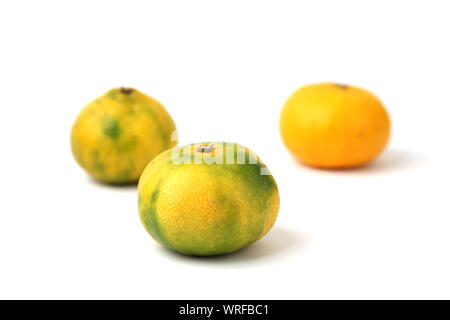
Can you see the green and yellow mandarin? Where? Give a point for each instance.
(199, 208)
(119, 133)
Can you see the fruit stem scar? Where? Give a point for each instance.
(126, 90)
(341, 86)
(206, 149)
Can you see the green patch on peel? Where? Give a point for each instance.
(149, 215)
(111, 128)
(257, 187)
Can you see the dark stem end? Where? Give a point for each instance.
(342, 86)
(125, 90)
(206, 148)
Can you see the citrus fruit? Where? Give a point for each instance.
(334, 126)
(117, 134)
(207, 198)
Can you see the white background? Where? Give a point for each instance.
(223, 69)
